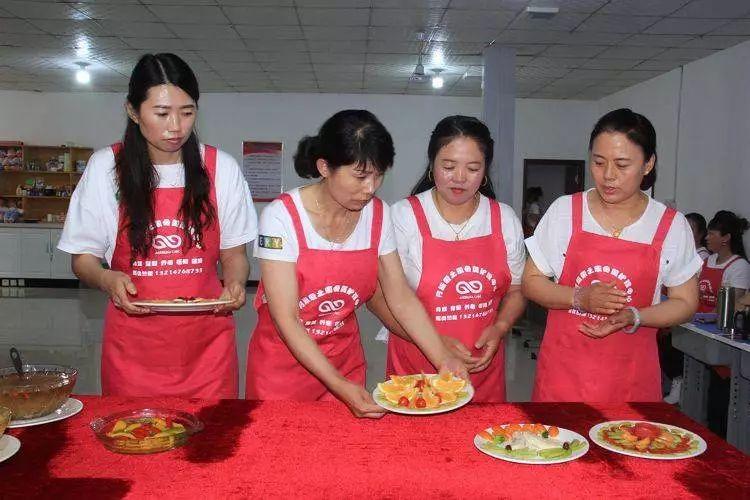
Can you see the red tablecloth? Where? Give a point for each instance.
(303, 450)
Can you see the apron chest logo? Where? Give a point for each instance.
(162, 242)
(466, 287)
(329, 306)
(603, 274)
(469, 287)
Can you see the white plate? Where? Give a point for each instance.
(67, 410)
(9, 446)
(202, 306)
(594, 435)
(565, 435)
(468, 393)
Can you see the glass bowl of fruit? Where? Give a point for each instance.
(145, 431)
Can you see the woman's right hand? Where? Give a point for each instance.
(119, 287)
(358, 400)
(601, 298)
(459, 350)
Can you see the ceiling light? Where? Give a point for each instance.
(82, 75)
(438, 59)
(82, 47)
(535, 12)
(437, 80)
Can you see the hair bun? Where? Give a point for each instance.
(308, 151)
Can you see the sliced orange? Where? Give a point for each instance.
(448, 397)
(485, 435)
(391, 388)
(401, 379)
(450, 385)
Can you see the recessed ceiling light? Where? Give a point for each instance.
(82, 74)
(437, 80)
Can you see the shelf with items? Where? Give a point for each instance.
(41, 184)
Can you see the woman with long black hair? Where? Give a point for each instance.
(463, 254)
(163, 210)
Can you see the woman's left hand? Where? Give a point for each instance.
(489, 340)
(612, 324)
(455, 366)
(234, 292)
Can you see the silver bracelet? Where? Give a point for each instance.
(636, 320)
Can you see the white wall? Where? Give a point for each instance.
(548, 129)
(659, 100)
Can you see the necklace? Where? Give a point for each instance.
(614, 230)
(463, 226)
(333, 240)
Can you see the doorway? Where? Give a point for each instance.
(543, 182)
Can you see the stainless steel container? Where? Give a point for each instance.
(725, 307)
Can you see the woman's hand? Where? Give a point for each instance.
(455, 348)
(489, 340)
(455, 366)
(601, 298)
(234, 292)
(613, 324)
(358, 400)
(119, 287)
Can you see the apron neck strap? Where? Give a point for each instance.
(578, 212)
(496, 220)
(664, 224)
(422, 224)
(286, 199)
(377, 223)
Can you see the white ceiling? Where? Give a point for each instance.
(592, 48)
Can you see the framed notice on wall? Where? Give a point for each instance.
(261, 164)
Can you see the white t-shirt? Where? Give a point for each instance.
(93, 216)
(679, 260)
(276, 228)
(409, 240)
(736, 275)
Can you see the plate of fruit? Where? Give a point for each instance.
(642, 439)
(181, 304)
(531, 443)
(423, 394)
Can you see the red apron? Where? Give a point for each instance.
(186, 355)
(620, 367)
(461, 287)
(332, 284)
(709, 283)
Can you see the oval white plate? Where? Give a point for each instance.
(380, 400)
(205, 305)
(565, 435)
(594, 435)
(67, 410)
(9, 446)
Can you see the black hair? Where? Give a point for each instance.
(136, 177)
(534, 193)
(726, 222)
(449, 129)
(638, 129)
(352, 136)
(700, 224)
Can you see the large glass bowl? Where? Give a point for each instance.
(109, 430)
(42, 389)
(5, 415)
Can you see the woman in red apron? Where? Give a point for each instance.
(322, 255)
(727, 265)
(604, 310)
(452, 243)
(167, 245)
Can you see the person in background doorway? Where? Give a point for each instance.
(532, 211)
(698, 225)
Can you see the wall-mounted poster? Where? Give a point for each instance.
(261, 164)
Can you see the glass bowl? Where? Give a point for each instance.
(5, 415)
(150, 430)
(42, 390)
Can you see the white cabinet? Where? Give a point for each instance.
(60, 260)
(27, 252)
(10, 250)
(36, 253)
